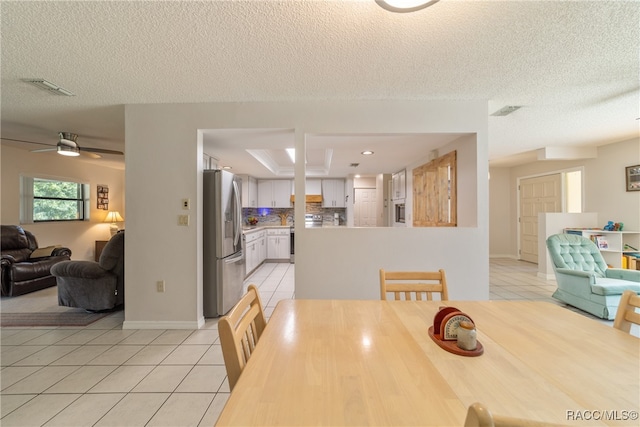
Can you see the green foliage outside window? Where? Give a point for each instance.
(57, 200)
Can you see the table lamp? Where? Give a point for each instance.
(113, 217)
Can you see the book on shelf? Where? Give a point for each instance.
(600, 241)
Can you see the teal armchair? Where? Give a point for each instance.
(584, 279)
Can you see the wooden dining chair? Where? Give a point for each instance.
(413, 283)
(479, 415)
(627, 314)
(240, 331)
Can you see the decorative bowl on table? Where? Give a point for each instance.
(252, 220)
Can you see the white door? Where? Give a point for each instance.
(537, 195)
(365, 207)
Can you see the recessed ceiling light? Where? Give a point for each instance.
(367, 153)
(403, 6)
(49, 87)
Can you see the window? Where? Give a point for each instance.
(46, 199)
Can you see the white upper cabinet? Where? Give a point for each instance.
(399, 184)
(333, 193)
(313, 187)
(274, 193)
(249, 191)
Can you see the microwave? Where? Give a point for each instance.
(399, 213)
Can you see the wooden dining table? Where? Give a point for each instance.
(345, 362)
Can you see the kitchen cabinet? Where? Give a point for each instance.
(278, 244)
(399, 185)
(333, 193)
(313, 186)
(274, 193)
(249, 191)
(255, 249)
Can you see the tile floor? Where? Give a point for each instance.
(101, 375)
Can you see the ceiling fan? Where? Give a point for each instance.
(67, 146)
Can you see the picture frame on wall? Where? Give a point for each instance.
(632, 174)
(103, 197)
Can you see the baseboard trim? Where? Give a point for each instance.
(503, 256)
(145, 324)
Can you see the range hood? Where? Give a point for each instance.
(309, 198)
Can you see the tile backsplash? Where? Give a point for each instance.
(271, 216)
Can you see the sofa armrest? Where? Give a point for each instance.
(623, 274)
(7, 260)
(61, 252)
(590, 275)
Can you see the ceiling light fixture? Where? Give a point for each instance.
(49, 87)
(404, 6)
(367, 153)
(67, 145)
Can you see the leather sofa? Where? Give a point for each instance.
(94, 286)
(25, 267)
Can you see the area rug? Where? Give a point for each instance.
(72, 318)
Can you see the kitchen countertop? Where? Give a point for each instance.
(263, 227)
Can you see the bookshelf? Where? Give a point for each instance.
(616, 241)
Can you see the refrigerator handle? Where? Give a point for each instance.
(238, 221)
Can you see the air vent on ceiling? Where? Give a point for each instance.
(354, 165)
(49, 87)
(505, 111)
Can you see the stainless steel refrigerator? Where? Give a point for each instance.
(224, 264)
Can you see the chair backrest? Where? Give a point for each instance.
(479, 415)
(576, 253)
(240, 331)
(627, 314)
(413, 283)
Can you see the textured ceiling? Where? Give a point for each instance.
(572, 65)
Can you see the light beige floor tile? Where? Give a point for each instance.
(116, 355)
(214, 410)
(151, 355)
(38, 410)
(23, 336)
(81, 337)
(113, 337)
(213, 356)
(81, 380)
(11, 402)
(277, 297)
(14, 354)
(143, 337)
(12, 374)
(162, 379)
(202, 336)
(47, 355)
(182, 409)
(110, 322)
(224, 388)
(82, 355)
(203, 379)
(172, 337)
(86, 411)
(52, 337)
(135, 409)
(122, 380)
(41, 380)
(186, 355)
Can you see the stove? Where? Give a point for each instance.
(312, 220)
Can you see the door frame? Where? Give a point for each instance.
(563, 189)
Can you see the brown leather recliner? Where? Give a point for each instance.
(24, 267)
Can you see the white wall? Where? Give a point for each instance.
(604, 194)
(162, 158)
(79, 236)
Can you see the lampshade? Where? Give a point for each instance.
(113, 216)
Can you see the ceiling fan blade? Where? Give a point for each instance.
(101, 150)
(90, 155)
(43, 150)
(27, 142)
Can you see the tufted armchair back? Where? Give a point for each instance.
(576, 253)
